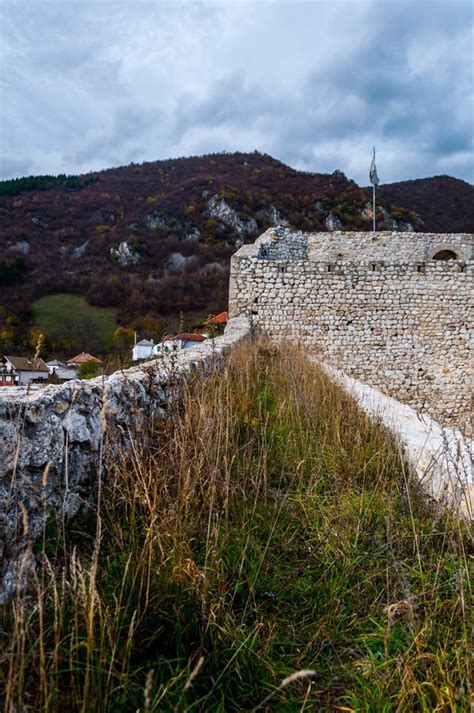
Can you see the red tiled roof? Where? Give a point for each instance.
(221, 318)
(191, 337)
(83, 357)
(187, 337)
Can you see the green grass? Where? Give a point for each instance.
(266, 528)
(71, 315)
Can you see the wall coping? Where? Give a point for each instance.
(441, 457)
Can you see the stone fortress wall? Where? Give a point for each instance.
(54, 441)
(379, 306)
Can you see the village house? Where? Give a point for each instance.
(214, 325)
(184, 340)
(54, 364)
(20, 371)
(146, 349)
(220, 319)
(60, 370)
(142, 349)
(82, 358)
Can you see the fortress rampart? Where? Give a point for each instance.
(390, 309)
(53, 442)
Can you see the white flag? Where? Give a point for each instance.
(374, 179)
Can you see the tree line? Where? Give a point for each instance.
(15, 186)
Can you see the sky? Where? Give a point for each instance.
(90, 84)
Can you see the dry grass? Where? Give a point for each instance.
(263, 549)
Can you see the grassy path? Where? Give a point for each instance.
(262, 550)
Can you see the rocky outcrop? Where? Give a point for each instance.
(124, 254)
(23, 247)
(157, 220)
(194, 235)
(220, 210)
(54, 442)
(79, 251)
(389, 222)
(176, 262)
(273, 216)
(332, 222)
(39, 222)
(212, 267)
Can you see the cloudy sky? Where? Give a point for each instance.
(88, 84)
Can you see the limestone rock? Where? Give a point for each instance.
(220, 210)
(194, 235)
(80, 250)
(39, 222)
(23, 247)
(157, 220)
(124, 254)
(332, 222)
(273, 216)
(176, 261)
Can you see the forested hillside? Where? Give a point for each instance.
(154, 240)
(445, 204)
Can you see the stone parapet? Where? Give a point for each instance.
(53, 441)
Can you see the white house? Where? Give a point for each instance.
(142, 350)
(25, 369)
(167, 346)
(147, 349)
(184, 340)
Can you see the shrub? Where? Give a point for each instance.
(89, 369)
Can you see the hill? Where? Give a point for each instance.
(154, 240)
(442, 202)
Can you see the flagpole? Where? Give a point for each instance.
(373, 201)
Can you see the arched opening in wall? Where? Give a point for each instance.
(445, 255)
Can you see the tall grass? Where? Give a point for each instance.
(263, 549)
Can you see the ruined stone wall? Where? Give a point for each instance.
(376, 306)
(53, 441)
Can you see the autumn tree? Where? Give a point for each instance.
(123, 338)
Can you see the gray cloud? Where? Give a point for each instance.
(94, 83)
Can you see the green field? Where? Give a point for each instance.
(70, 317)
